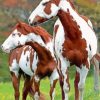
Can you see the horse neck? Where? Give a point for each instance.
(70, 26)
(42, 52)
(38, 39)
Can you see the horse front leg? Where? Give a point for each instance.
(64, 83)
(82, 75)
(53, 80)
(16, 83)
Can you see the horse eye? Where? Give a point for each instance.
(13, 34)
(19, 34)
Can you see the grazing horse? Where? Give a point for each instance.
(36, 64)
(75, 42)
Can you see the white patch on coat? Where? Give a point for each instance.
(49, 47)
(37, 79)
(35, 62)
(24, 64)
(87, 32)
(83, 73)
(14, 67)
(54, 76)
(90, 24)
(35, 38)
(59, 39)
(64, 67)
(36, 96)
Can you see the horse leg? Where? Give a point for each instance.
(36, 88)
(16, 82)
(64, 77)
(64, 83)
(82, 75)
(27, 86)
(77, 78)
(53, 80)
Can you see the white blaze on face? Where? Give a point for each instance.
(87, 32)
(8, 44)
(37, 12)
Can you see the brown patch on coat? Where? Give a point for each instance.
(56, 28)
(26, 29)
(31, 57)
(48, 4)
(46, 62)
(74, 47)
(39, 19)
(15, 54)
(47, 9)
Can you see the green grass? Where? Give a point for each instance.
(6, 90)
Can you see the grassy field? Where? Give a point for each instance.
(6, 90)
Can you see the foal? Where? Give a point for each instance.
(42, 63)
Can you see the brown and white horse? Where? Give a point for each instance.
(75, 42)
(38, 63)
(16, 72)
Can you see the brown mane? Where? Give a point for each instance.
(26, 29)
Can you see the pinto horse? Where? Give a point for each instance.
(15, 56)
(75, 42)
(38, 63)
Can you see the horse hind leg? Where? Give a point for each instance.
(16, 82)
(27, 86)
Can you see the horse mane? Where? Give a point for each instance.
(71, 3)
(26, 29)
